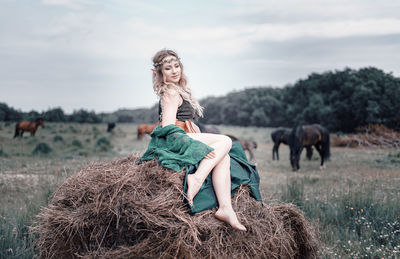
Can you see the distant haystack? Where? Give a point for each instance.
(374, 135)
(124, 210)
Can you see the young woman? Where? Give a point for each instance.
(204, 155)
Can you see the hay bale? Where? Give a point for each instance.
(124, 210)
(374, 135)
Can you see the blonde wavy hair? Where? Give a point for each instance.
(160, 86)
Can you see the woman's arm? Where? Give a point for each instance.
(170, 100)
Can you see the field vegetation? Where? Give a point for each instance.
(353, 201)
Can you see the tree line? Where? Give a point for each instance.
(9, 114)
(340, 100)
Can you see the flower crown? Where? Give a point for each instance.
(157, 64)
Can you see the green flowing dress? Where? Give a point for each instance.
(174, 149)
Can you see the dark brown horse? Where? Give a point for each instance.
(110, 126)
(30, 126)
(282, 135)
(308, 135)
(144, 129)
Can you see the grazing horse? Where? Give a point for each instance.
(246, 144)
(282, 135)
(30, 126)
(110, 126)
(205, 128)
(308, 135)
(144, 129)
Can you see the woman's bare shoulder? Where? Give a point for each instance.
(171, 95)
(170, 92)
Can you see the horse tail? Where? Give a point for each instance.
(16, 130)
(326, 143)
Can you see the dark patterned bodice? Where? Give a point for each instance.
(185, 111)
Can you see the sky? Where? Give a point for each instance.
(97, 55)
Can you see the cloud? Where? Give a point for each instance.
(288, 11)
(72, 4)
(105, 47)
(334, 29)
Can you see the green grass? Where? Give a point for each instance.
(355, 223)
(353, 202)
(16, 240)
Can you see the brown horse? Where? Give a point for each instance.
(308, 135)
(30, 126)
(144, 129)
(246, 144)
(282, 135)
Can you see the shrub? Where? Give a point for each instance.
(2, 153)
(72, 129)
(58, 138)
(42, 149)
(95, 130)
(103, 144)
(77, 143)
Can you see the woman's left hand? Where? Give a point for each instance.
(210, 155)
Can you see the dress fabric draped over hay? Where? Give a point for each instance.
(174, 149)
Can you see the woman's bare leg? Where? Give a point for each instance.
(221, 177)
(222, 186)
(221, 144)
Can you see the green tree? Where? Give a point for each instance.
(55, 115)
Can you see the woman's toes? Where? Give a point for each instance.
(230, 218)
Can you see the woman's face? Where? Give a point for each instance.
(171, 69)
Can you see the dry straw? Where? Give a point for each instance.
(375, 135)
(124, 210)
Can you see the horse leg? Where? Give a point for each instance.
(298, 158)
(251, 154)
(321, 154)
(16, 132)
(309, 152)
(275, 150)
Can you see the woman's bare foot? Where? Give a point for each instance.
(193, 187)
(229, 216)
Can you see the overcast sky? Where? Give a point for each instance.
(96, 55)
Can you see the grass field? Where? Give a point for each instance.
(354, 201)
